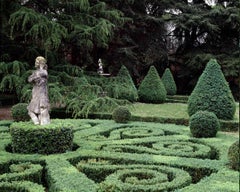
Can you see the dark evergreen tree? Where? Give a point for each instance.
(151, 89)
(169, 82)
(212, 93)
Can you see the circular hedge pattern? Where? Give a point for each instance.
(147, 178)
(139, 132)
(113, 157)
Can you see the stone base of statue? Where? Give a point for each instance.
(27, 138)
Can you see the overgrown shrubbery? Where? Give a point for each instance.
(204, 124)
(212, 93)
(20, 112)
(169, 82)
(121, 114)
(233, 155)
(151, 89)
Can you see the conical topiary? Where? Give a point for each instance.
(151, 89)
(212, 93)
(123, 86)
(169, 82)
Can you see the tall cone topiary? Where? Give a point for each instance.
(169, 82)
(151, 89)
(124, 87)
(128, 90)
(212, 93)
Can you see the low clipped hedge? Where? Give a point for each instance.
(233, 155)
(62, 176)
(21, 186)
(204, 124)
(56, 137)
(23, 171)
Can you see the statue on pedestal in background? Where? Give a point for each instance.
(38, 108)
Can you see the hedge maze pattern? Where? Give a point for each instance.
(111, 157)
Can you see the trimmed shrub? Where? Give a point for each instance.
(233, 155)
(204, 124)
(151, 89)
(212, 93)
(20, 112)
(122, 86)
(56, 137)
(169, 82)
(121, 114)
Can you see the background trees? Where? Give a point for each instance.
(180, 34)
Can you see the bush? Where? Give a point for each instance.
(233, 155)
(20, 112)
(212, 93)
(151, 89)
(169, 82)
(122, 87)
(204, 124)
(121, 115)
(56, 137)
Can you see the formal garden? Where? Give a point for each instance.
(124, 96)
(156, 144)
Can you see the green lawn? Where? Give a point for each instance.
(167, 110)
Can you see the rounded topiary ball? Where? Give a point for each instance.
(121, 115)
(204, 124)
(20, 112)
(233, 155)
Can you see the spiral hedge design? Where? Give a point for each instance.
(112, 157)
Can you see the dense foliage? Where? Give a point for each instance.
(151, 89)
(204, 124)
(182, 35)
(212, 93)
(169, 83)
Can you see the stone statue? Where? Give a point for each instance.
(38, 108)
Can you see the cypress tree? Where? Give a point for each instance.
(169, 82)
(212, 93)
(151, 89)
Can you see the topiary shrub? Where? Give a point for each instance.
(169, 82)
(151, 89)
(204, 124)
(20, 112)
(233, 155)
(212, 93)
(56, 137)
(121, 114)
(122, 86)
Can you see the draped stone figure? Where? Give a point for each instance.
(38, 108)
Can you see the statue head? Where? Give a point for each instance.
(41, 62)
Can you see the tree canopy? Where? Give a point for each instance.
(180, 34)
